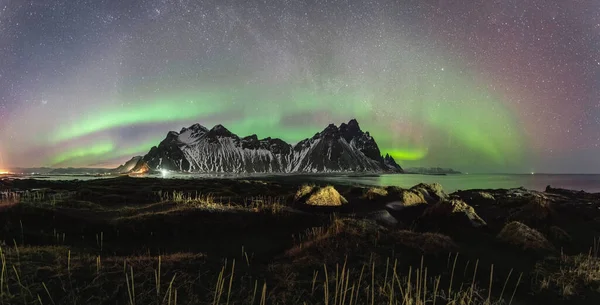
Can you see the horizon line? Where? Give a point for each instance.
(460, 172)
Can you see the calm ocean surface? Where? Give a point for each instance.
(450, 183)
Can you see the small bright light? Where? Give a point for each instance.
(532, 173)
(164, 172)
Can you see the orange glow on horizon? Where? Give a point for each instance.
(4, 172)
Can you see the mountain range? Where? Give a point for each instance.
(430, 170)
(197, 149)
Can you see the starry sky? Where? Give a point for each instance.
(479, 86)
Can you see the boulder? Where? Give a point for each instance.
(383, 218)
(432, 193)
(524, 237)
(535, 210)
(406, 213)
(477, 197)
(319, 196)
(558, 235)
(412, 198)
(454, 210)
(375, 193)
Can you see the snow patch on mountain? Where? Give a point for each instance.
(335, 149)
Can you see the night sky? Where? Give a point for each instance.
(479, 86)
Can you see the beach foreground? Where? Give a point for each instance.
(293, 241)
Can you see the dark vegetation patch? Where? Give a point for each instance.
(293, 240)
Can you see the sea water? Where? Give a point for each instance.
(450, 183)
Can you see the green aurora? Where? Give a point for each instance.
(483, 128)
(98, 150)
(435, 116)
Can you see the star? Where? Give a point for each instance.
(506, 86)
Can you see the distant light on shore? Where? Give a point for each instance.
(164, 172)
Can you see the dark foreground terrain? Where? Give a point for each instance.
(289, 241)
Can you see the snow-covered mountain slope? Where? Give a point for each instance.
(335, 149)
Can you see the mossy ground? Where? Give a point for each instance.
(248, 241)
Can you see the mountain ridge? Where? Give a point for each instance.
(197, 149)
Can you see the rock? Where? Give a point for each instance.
(406, 198)
(320, 196)
(406, 213)
(375, 192)
(558, 235)
(454, 208)
(535, 210)
(524, 237)
(410, 198)
(572, 194)
(477, 197)
(384, 218)
(432, 193)
(485, 196)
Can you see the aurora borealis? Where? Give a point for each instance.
(479, 86)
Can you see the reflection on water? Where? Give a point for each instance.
(450, 183)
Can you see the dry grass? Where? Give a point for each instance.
(382, 282)
(38, 197)
(55, 275)
(430, 243)
(342, 233)
(558, 235)
(524, 237)
(570, 275)
(210, 202)
(273, 205)
(303, 191)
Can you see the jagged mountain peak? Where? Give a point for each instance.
(252, 137)
(351, 125)
(220, 130)
(351, 130)
(335, 149)
(391, 163)
(330, 131)
(194, 128)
